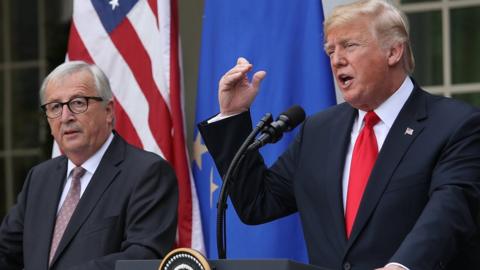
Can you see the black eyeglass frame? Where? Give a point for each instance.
(69, 106)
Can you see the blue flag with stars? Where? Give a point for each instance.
(284, 38)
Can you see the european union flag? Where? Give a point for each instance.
(284, 38)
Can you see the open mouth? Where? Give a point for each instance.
(345, 80)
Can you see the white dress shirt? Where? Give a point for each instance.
(387, 112)
(90, 166)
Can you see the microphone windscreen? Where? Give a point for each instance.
(295, 115)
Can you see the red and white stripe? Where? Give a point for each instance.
(142, 60)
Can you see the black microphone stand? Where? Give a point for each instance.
(231, 173)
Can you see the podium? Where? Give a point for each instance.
(277, 264)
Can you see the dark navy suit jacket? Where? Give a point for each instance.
(419, 207)
(128, 211)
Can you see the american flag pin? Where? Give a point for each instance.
(408, 131)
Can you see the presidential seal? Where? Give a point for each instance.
(184, 259)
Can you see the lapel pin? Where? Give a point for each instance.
(408, 131)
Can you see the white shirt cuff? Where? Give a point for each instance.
(397, 264)
(221, 116)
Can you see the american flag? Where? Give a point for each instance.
(136, 44)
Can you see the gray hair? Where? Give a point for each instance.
(390, 25)
(102, 85)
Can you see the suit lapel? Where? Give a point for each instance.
(338, 143)
(405, 129)
(53, 185)
(103, 176)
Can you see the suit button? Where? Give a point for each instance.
(347, 266)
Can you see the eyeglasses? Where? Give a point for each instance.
(76, 105)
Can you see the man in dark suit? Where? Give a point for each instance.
(388, 180)
(103, 200)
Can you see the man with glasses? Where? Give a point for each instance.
(102, 200)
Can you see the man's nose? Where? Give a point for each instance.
(338, 59)
(66, 113)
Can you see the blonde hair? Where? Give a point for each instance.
(390, 25)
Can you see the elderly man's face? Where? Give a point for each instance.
(79, 135)
(360, 64)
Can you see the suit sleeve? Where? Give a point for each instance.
(449, 220)
(151, 220)
(11, 233)
(259, 194)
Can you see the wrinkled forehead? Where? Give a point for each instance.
(360, 29)
(70, 83)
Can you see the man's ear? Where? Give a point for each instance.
(110, 111)
(395, 53)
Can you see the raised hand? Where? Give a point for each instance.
(235, 92)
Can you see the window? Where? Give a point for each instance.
(446, 42)
(32, 39)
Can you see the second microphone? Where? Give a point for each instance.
(285, 122)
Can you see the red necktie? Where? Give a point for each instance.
(364, 156)
(66, 211)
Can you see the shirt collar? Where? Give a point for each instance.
(390, 108)
(91, 164)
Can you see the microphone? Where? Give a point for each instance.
(272, 132)
(286, 121)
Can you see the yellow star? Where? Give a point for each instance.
(198, 150)
(213, 187)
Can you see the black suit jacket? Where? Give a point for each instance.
(128, 211)
(419, 207)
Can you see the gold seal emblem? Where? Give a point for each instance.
(184, 259)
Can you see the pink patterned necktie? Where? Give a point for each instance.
(66, 210)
